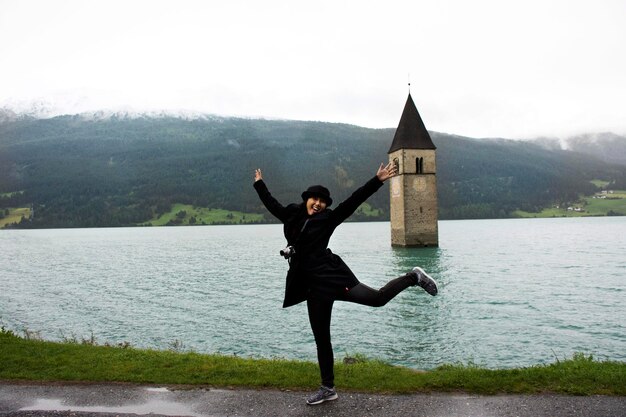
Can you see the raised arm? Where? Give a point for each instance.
(386, 172)
(274, 207)
(347, 207)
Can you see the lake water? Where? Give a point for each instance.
(512, 292)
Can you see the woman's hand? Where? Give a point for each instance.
(258, 175)
(386, 172)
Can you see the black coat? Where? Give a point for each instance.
(314, 268)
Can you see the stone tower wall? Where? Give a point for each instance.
(413, 196)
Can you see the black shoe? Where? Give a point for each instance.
(424, 280)
(323, 394)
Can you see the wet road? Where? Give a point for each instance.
(103, 400)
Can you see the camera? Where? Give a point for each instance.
(288, 252)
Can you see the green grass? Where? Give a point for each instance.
(367, 210)
(598, 207)
(600, 183)
(36, 360)
(15, 216)
(182, 214)
(615, 203)
(203, 215)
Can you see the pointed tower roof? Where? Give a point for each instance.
(411, 132)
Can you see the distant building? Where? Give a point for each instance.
(413, 192)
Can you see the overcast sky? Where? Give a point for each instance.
(480, 68)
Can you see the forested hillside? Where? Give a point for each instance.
(76, 171)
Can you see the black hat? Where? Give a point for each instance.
(318, 191)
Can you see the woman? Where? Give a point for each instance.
(318, 276)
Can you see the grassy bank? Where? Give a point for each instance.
(35, 360)
(597, 205)
(185, 214)
(14, 215)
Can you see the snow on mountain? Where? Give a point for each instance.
(43, 109)
(607, 146)
(10, 111)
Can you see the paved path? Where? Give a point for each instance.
(104, 400)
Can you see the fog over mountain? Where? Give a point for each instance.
(606, 145)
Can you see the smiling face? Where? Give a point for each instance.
(315, 205)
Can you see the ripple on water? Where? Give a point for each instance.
(512, 292)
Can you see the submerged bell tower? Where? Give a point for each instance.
(413, 191)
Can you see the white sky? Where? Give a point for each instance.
(479, 68)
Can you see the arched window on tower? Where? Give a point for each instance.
(419, 165)
(396, 163)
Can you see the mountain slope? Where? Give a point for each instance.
(606, 146)
(114, 171)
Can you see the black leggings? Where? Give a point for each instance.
(320, 311)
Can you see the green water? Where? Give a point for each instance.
(512, 292)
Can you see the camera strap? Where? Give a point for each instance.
(301, 230)
(299, 237)
(303, 226)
